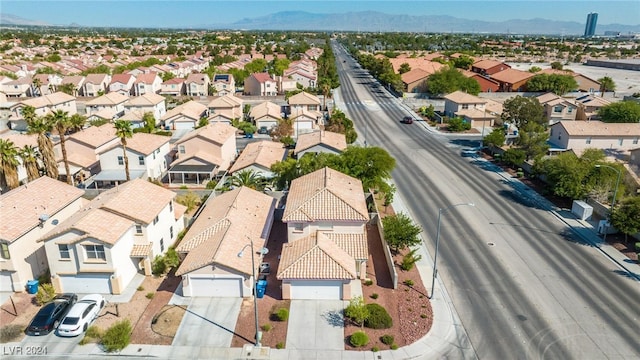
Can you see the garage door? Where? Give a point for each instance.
(183, 125)
(6, 284)
(322, 290)
(87, 283)
(215, 287)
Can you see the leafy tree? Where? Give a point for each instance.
(626, 216)
(9, 163)
(29, 156)
(463, 62)
(521, 110)
(202, 122)
(496, 138)
(339, 123)
(124, 131)
(149, 122)
(400, 231)
(372, 165)
(559, 84)
(428, 111)
(286, 171)
(448, 80)
(256, 66)
(404, 68)
(191, 200)
(620, 112)
(166, 76)
(53, 58)
(457, 124)
(534, 69)
(606, 84)
(532, 139)
(556, 65)
(567, 174)
(357, 311)
(514, 156)
(282, 130)
(279, 66)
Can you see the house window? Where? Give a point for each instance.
(325, 227)
(465, 106)
(138, 229)
(171, 232)
(155, 220)
(161, 245)
(95, 252)
(569, 110)
(559, 137)
(141, 160)
(64, 251)
(154, 156)
(589, 140)
(4, 251)
(298, 227)
(557, 109)
(120, 160)
(181, 149)
(620, 141)
(635, 141)
(170, 205)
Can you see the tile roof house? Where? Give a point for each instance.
(197, 85)
(27, 213)
(589, 105)
(326, 216)
(96, 84)
(585, 83)
(113, 101)
(415, 80)
(260, 84)
(488, 67)
(149, 102)
(615, 139)
(227, 225)
(223, 84)
(320, 141)
(225, 109)
(83, 148)
(258, 157)
(77, 81)
(122, 83)
(557, 108)
(486, 83)
(305, 121)
(512, 79)
(304, 100)
(470, 107)
(416, 63)
(174, 87)
(21, 87)
(43, 105)
(149, 83)
(202, 153)
(48, 83)
(105, 244)
(303, 77)
(184, 116)
(266, 114)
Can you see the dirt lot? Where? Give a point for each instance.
(25, 309)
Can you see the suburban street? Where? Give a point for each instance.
(523, 284)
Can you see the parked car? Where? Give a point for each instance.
(263, 130)
(49, 316)
(407, 120)
(81, 316)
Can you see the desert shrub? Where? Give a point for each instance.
(282, 314)
(159, 266)
(280, 345)
(394, 347)
(374, 296)
(408, 282)
(46, 293)
(140, 288)
(375, 349)
(93, 332)
(211, 184)
(357, 310)
(387, 339)
(378, 317)
(368, 282)
(150, 295)
(10, 332)
(171, 258)
(359, 338)
(409, 260)
(117, 337)
(424, 316)
(266, 327)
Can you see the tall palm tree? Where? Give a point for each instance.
(29, 156)
(124, 131)
(250, 179)
(9, 164)
(606, 83)
(36, 85)
(39, 125)
(61, 122)
(77, 122)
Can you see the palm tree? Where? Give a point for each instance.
(606, 83)
(60, 121)
(39, 125)
(9, 164)
(36, 87)
(29, 156)
(124, 131)
(250, 179)
(77, 122)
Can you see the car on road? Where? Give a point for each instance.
(82, 315)
(407, 120)
(49, 316)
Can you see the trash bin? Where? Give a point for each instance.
(261, 287)
(32, 286)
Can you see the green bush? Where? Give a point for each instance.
(211, 184)
(375, 349)
(93, 332)
(10, 332)
(140, 288)
(409, 260)
(280, 345)
(408, 282)
(171, 258)
(159, 266)
(163, 133)
(374, 296)
(387, 339)
(282, 314)
(46, 293)
(359, 338)
(266, 327)
(458, 124)
(378, 317)
(368, 282)
(117, 337)
(394, 347)
(150, 295)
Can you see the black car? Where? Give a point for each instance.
(50, 315)
(407, 120)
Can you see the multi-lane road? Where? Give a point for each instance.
(523, 284)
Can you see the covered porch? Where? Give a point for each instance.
(192, 174)
(106, 179)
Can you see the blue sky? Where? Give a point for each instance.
(153, 13)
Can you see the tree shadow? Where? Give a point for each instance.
(522, 198)
(334, 318)
(627, 274)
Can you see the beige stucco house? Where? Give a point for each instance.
(260, 84)
(259, 156)
(616, 139)
(225, 108)
(266, 114)
(320, 141)
(96, 84)
(185, 116)
(197, 84)
(557, 108)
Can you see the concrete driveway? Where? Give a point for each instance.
(208, 322)
(316, 324)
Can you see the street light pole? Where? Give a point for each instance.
(255, 281)
(435, 257)
(615, 195)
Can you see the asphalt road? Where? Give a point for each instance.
(524, 285)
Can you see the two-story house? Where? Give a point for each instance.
(304, 101)
(305, 121)
(223, 84)
(260, 84)
(258, 157)
(185, 116)
(488, 67)
(615, 139)
(76, 82)
(173, 87)
(103, 246)
(108, 106)
(470, 107)
(320, 142)
(149, 102)
(27, 213)
(225, 109)
(512, 80)
(557, 108)
(45, 84)
(197, 84)
(148, 83)
(96, 85)
(83, 148)
(326, 250)
(589, 105)
(266, 114)
(21, 87)
(43, 105)
(202, 153)
(122, 83)
(226, 224)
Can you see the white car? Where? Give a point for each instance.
(81, 315)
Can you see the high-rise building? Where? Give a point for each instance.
(590, 28)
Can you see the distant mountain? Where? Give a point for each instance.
(376, 21)
(8, 19)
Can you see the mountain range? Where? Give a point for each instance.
(369, 21)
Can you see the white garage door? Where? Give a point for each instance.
(320, 289)
(6, 284)
(182, 125)
(215, 287)
(87, 283)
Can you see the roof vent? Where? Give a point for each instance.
(43, 217)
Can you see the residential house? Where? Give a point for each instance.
(260, 84)
(486, 83)
(266, 114)
(83, 148)
(43, 105)
(585, 84)
(320, 142)
(488, 67)
(326, 252)
(22, 87)
(512, 80)
(48, 84)
(303, 77)
(305, 121)
(96, 85)
(197, 84)
(102, 247)
(113, 103)
(286, 83)
(202, 153)
(225, 109)
(173, 87)
(149, 102)
(76, 81)
(615, 139)
(122, 83)
(149, 83)
(184, 116)
(224, 84)
(304, 101)
(217, 248)
(471, 108)
(589, 105)
(19, 71)
(415, 81)
(423, 63)
(557, 108)
(27, 213)
(258, 157)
